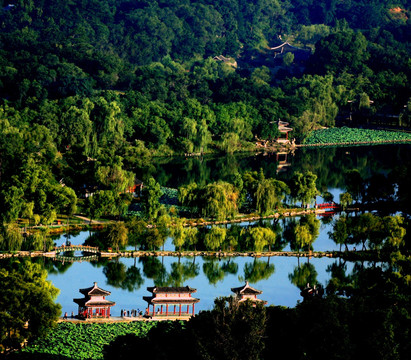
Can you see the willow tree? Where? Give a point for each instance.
(259, 238)
(117, 235)
(303, 187)
(191, 234)
(114, 177)
(137, 230)
(303, 237)
(269, 194)
(303, 233)
(151, 198)
(188, 196)
(10, 237)
(219, 200)
(215, 237)
(345, 200)
(178, 233)
(339, 234)
(395, 231)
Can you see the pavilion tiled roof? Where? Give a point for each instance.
(155, 300)
(90, 302)
(246, 290)
(171, 289)
(95, 291)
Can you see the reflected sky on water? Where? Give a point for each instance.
(277, 288)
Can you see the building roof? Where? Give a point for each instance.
(90, 302)
(283, 126)
(155, 300)
(246, 290)
(95, 291)
(171, 289)
(299, 53)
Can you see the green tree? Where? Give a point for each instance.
(27, 304)
(151, 199)
(137, 230)
(354, 184)
(115, 178)
(191, 234)
(394, 228)
(214, 239)
(117, 235)
(345, 200)
(219, 200)
(340, 232)
(231, 330)
(367, 227)
(269, 194)
(303, 187)
(102, 203)
(288, 59)
(178, 233)
(11, 238)
(303, 275)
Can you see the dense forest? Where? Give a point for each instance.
(89, 88)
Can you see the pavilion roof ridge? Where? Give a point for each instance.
(94, 290)
(246, 289)
(171, 289)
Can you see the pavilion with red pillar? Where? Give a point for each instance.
(283, 130)
(179, 298)
(94, 303)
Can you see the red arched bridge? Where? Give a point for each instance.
(328, 206)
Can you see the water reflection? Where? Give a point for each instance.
(281, 279)
(237, 236)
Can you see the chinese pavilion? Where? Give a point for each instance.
(175, 296)
(94, 303)
(284, 130)
(246, 292)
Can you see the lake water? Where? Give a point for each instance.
(211, 280)
(128, 278)
(211, 277)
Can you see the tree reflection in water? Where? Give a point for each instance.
(258, 270)
(302, 275)
(119, 276)
(181, 272)
(154, 269)
(215, 270)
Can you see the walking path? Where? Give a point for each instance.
(89, 220)
(117, 319)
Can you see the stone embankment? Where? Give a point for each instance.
(217, 254)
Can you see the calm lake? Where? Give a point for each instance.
(128, 278)
(279, 278)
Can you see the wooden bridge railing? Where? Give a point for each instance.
(76, 258)
(85, 248)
